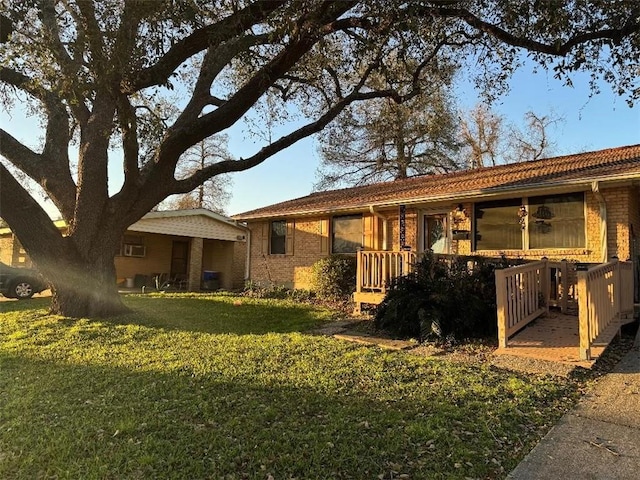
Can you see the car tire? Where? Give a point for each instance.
(22, 289)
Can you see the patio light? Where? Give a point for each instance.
(459, 214)
(522, 213)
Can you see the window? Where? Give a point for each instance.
(278, 238)
(553, 221)
(557, 221)
(346, 234)
(133, 246)
(497, 225)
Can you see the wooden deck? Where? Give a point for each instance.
(555, 337)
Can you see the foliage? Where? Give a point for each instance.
(334, 277)
(382, 140)
(199, 387)
(443, 300)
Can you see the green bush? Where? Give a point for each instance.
(334, 277)
(445, 301)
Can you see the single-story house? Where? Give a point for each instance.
(582, 208)
(198, 248)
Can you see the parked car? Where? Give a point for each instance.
(20, 283)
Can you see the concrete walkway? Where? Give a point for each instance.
(600, 438)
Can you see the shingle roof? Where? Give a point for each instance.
(606, 164)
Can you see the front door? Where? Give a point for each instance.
(435, 233)
(179, 258)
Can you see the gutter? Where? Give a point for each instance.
(595, 188)
(385, 225)
(247, 263)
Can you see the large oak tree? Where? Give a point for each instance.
(97, 70)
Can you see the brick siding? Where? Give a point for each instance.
(293, 270)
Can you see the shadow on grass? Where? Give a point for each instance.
(96, 421)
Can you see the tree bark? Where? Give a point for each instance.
(83, 285)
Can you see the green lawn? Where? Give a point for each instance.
(197, 387)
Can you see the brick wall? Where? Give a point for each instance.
(6, 249)
(623, 211)
(156, 260)
(289, 270)
(239, 262)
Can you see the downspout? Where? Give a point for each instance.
(595, 188)
(385, 225)
(247, 263)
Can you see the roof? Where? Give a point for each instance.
(196, 223)
(614, 164)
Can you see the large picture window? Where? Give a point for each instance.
(553, 221)
(557, 221)
(497, 226)
(346, 234)
(278, 238)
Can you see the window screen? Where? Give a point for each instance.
(497, 225)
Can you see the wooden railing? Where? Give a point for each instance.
(521, 294)
(375, 270)
(605, 296)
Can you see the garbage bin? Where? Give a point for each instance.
(210, 280)
(129, 282)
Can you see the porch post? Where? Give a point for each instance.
(501, 304)
(583, 316)
(195, 264)
(545, 284)
(617, 288)
(564, 282)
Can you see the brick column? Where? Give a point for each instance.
(195, 264)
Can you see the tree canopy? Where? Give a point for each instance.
(383, 140)
(98, 72)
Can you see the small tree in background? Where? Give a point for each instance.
(487, 140)
(214, 194)
(383, 140)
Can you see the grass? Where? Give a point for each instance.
(201, 387)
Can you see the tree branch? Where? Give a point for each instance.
(28, 220)
(207, 37)
(69, 66)
(188, 184)
(557, 48)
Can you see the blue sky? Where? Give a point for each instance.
(602, 121)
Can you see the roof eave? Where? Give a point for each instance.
(482, 194)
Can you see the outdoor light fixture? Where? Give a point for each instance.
(522, 213)
(459, 214)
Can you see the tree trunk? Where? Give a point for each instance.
(81, 287)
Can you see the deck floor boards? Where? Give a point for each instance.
(555, 337)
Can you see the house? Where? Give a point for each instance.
(199, 248)
(582, 208)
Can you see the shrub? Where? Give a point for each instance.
(442, 300)
(334, 278)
